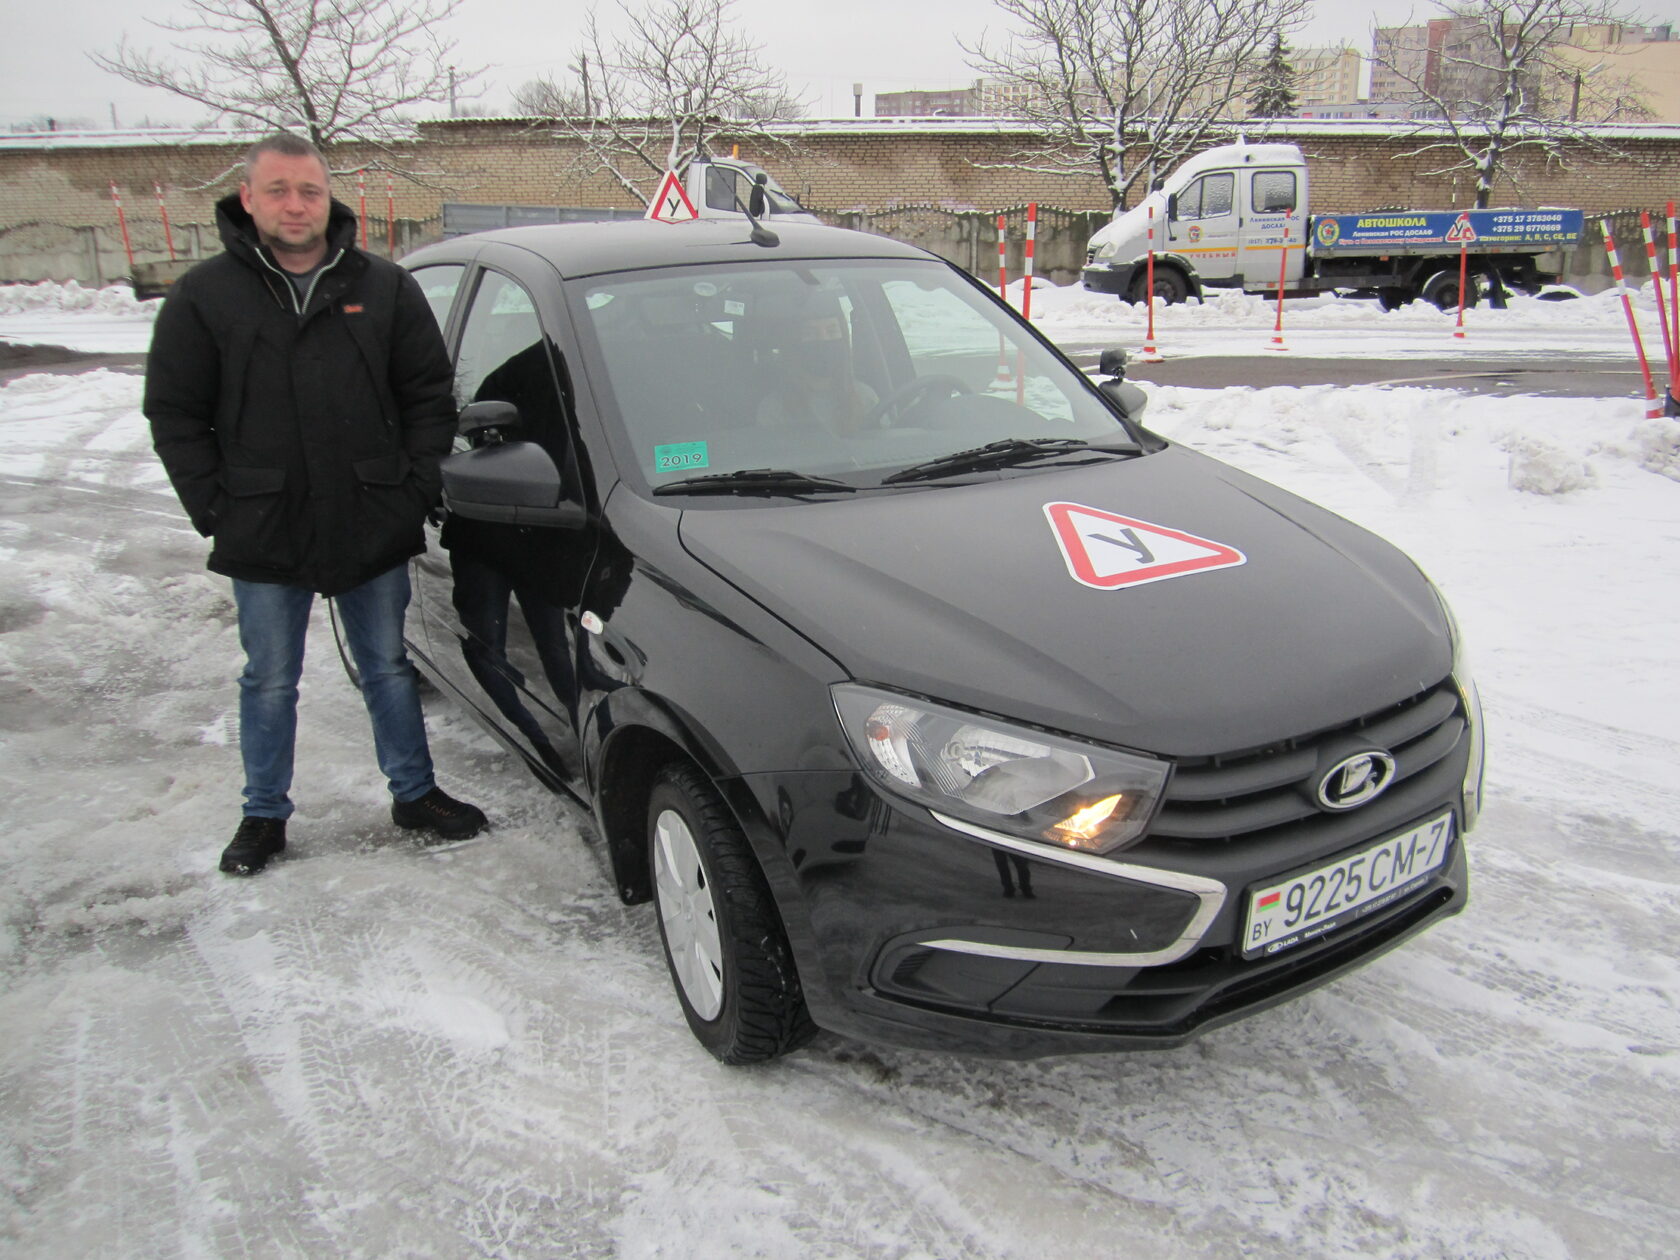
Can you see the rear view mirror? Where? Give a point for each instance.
(757, 201)
(1172, 207)
(1112, 363)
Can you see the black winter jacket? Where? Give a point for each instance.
(304, 443)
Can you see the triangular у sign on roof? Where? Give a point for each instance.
(671, 204)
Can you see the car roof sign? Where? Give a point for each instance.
(672, 204)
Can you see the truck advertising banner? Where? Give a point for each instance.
(1412, 231)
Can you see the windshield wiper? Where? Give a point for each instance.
(1002, 454)
(757, 481)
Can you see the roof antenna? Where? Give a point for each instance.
(761, 235)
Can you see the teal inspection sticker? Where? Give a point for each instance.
(680, 457)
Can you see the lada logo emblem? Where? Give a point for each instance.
(1354, 780)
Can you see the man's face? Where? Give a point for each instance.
(287, 198)
(822, 346)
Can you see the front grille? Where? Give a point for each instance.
(1242, 795)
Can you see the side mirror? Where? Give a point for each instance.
(1172, 207)
(757, 201)
(487, 423)
(512, 483)
(1112, 363)
(1126, 396)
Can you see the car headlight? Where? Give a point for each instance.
(1025, 782)
(1472, 702)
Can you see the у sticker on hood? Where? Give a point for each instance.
(1106, 550)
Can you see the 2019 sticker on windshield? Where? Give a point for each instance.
(680, 457)
(1107, 551)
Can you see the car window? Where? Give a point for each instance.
(504, 357)
(1274, 192)
(830, 368)
(440, 284)
(1218, 192)
(720, 188)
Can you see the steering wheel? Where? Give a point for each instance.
(920, 390)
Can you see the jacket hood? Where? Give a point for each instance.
(1270, 618)
(239, 231)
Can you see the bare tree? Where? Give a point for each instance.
(665, 90)
(336, 69)
(1098, 77)
(1499, 80)
(546, 98)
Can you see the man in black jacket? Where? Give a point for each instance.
(299, 395)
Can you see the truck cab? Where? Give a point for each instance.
(1219, 219)
(719, 188)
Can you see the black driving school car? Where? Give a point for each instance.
(932, 698)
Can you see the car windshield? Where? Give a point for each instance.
(848, 369)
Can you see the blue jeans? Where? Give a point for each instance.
(273, 621)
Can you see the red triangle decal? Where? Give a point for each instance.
(1107, 551)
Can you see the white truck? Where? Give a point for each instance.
(1220, 221)
(720, 187)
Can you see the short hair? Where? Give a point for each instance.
(286, 144)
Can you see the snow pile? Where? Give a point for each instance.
(50, 296)
(1540, 468)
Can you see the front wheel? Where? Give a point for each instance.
(724, 942)
(1170, 286)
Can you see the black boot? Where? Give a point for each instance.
(257, 840)
(439, 813)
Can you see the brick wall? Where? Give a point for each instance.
(56, 213)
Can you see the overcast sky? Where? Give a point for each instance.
(823, 47)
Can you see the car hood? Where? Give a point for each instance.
(1277, 618)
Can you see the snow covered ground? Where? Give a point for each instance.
(379, 1050)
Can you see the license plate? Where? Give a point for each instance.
(1306, 906)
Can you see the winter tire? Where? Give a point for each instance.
(1170, 286)
(724, 943)
(1441, 289)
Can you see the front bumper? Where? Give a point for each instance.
(1104, 279)
(912, 932)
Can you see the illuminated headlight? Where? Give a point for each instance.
(1038, 786)
(1472, 701)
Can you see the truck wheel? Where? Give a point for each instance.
(724, 943)
(1441, 289)
(1170, 286)
(1394, 298)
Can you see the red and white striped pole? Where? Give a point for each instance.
(1673, 406)
(390, 215)
(1655, 268)
(1003, 244)
(361, 192)
(1004, 378)
(1463, 284)
(168, 236)
(1653, 409)
(122, 222)
(1027, 268)
(1150, 353)
(1283, 278)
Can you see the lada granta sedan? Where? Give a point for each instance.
(932, 698)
